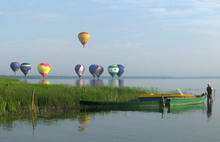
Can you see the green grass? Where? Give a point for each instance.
(16, 96)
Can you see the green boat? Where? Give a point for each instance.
(186, 100)
(125, 103)
(163, 101)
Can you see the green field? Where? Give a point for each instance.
(16, 96)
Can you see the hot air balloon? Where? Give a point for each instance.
(43, 69)
(98, 71)
(83, 37)
(25, 68)
(121, 70)
(113, 70)
(92, 69)
(15, 66)
(79, 69)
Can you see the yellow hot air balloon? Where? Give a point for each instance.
(43, 69)
(83, 37)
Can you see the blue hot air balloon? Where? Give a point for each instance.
(121, 70)
(92, 69)
(15, 66)
(79, 69)
(99, 70)
(25, 68)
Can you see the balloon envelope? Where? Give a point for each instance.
(25, 68)
(43, 69)
(113, 70)
(83, 37)
(121, 70)
(98, 70)
(92, 69)
(80, 69)
(15, 66)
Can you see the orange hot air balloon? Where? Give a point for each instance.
(83, 37)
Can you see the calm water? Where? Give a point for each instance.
(188, 123)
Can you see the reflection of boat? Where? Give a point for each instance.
(163, 110)
(186, 108)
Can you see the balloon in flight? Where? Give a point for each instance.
(98, 70)
(15, 66)
(83, 37)
(43, 69)
(121, 70)
(25, 68)
(113, 70)
(80, 69)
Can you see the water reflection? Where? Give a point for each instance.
(83, 116)
(79, 82)
(209, 109)
(83, 122)
(186, 108)
(44, 81)
(116, 82)
(97, 82)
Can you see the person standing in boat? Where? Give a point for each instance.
(209, 91)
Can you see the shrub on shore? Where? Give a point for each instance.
(16, 96)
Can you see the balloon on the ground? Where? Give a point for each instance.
(92, 69)
(113, 70)
(121, 70)
(83, 37)
(43, 69)
(25, 68)
(80, 69)
(15, 66)
(99, 70)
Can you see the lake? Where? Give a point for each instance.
(186, 123)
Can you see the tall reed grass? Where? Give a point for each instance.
(16, 96)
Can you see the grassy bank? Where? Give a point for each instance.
(16, 96)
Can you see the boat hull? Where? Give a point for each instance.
(153, 97)
(186, 101)
(113, 103)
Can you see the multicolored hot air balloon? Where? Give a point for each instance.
(43, 69)
(15, 66)
(121, 70)
(80, 69)
(83, 37)
(92, 69)
(98, 70)
(25, 68)
(113, 70)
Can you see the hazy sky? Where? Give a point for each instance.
(148, 37)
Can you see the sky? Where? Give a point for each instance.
(147, 37)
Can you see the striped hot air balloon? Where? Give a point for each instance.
(98, 70)
(80, 69)
(113, 70)
(25, 68)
